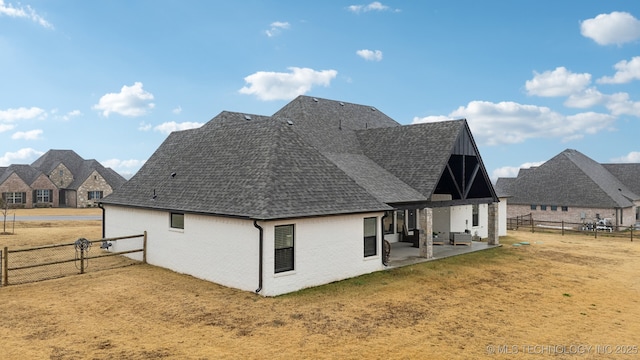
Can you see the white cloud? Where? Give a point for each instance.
(511, 123)
(177, 110)
(144, 126)
(374, 6)
(268, 85)
(585, 99)
(632, 157)
(67, 116)
(170, 126)
(512, 171)
(619, 104)
(627, 71)
(122, 164)
(130, 101)
(23, 12)
(559, 82)
(430, 118)
(126, 168)
(370, 55)
(276, 28)
(22, 156)
(27, 135)
(21, 113)
(615, 28)
(6, 127)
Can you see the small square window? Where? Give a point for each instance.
(534, 207)
(554, 208)
(565, 208)
(543, 207)
(177, 220)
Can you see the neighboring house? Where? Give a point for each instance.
(25, 186)
(571, 187)
(301, 198)
(59, 178)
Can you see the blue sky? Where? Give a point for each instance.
(110, 79)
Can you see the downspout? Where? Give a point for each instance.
(261, 240)
(382, 227)
(100, 206)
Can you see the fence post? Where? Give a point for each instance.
(81, 260)
(531, 219)
(5, 266)
(144, 248)
(632, 234)
(596, 231)
(562, 227)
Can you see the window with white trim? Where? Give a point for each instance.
(43, 195)
(284, 248)
(370, 236)
(94, 195)
(15, 197)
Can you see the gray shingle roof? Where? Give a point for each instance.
(313, 157)
(571, 179)
(114, 179)
(385, 186)
(79, 167)
(52, 158)
(628, 174)
(401, 151)
(259, 170)
(329, 125)
(503, 186)
(27, 173)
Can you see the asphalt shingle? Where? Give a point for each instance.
(313, 157)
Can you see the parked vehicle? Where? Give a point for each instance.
(604, 225)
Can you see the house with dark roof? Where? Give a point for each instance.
(574, 188)
(59, 178)
(304, 197)
(25, 186)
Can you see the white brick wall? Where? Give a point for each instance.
(225, 250)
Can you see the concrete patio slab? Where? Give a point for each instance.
(403, 253)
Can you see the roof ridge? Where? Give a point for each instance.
(601, 183)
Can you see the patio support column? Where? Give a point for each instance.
(493, 223)
(425, 221)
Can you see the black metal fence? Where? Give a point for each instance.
(528, 223)
(53, 261)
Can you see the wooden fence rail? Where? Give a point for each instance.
(56, 255)
(529, 223)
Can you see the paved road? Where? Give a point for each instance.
(54, 218)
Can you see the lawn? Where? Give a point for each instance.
(560, 296)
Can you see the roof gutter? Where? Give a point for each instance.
(261, 241)
(101, 207)
(383, 257)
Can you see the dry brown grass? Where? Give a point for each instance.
(570, 290)
(54, 211)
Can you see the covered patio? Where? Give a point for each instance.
(403, 253)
